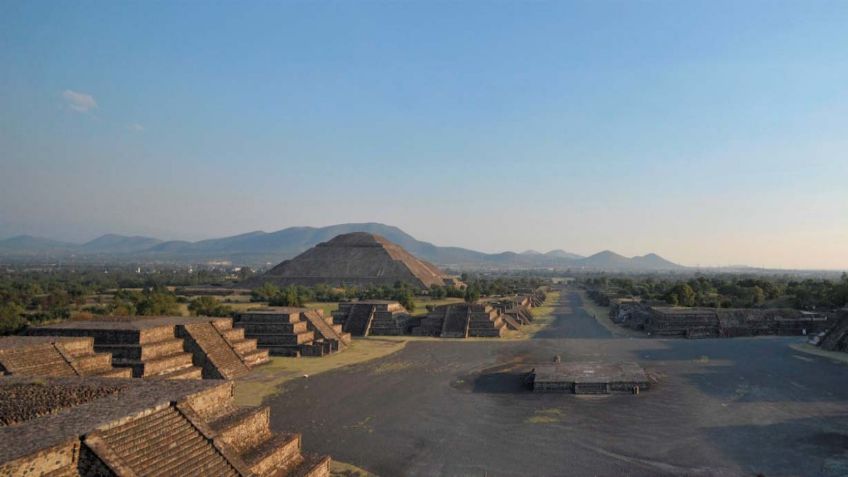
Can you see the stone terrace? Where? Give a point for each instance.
(168, 347)
(55, 356)
(462, 320)
(289, 331)
(372, 317)
(102, 427)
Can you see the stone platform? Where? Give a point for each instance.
(290, 331)
(372, 317)
(126, 427)
(55, 356)
(589, 378)
(167, 347)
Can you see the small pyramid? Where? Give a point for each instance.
(354, 259)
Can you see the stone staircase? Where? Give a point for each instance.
(49, 356)
(372, 317)
(245, 348)
(325, 330)
(159, 443)
(355, 318)
(485, 321)
(212, 352)
(245, 437)
(455, 323)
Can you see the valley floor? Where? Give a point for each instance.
(738, 406)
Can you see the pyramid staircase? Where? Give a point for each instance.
(325, 330)
(244, 436)
(220, 357)
(376, 317)
(463, 320)
(49, 356)
(202, 434)
(456, 321)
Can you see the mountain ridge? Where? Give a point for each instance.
(260, 248)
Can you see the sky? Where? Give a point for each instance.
(709, 132)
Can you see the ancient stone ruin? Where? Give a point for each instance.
(289, 331)
(589, 378)
(836, 338)
(693, 322)
(463, 320)
(355, 259)
(85, 427)
(168, 347)
(55, 356)
(373, 317)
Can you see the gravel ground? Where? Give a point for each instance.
(742, 406)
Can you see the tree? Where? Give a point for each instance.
(472, 294)
(11, 318)
(208, 306)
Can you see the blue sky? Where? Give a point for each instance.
(710, 132)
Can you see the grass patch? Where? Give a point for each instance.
(542, 316)
(327, 306)
(545, 416)
(343, 469)
(266, 380)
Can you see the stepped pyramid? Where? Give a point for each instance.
(290, 331)
(355, 259)
(167, 347)
(53, 356)
(463, 320)
(106, 427)
(372, 317)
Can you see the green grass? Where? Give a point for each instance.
(543, 316)
(267, 379)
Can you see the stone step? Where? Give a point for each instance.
(113, 373)
(274, 327)
(280, 451)
(93, 362)
(234, 334)
(139, 352)
(243, 345)
(256, 357)
(283, 339)
(188, 372)
(244, 428)
(312, 465)
(247, 318)
(158, 365)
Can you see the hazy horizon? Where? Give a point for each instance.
(710, 133)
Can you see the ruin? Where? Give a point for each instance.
(355, 259)
(167, 347)
(55, 356)
(290, 331)
(373, 317)
(695, 322)
(836, 338)
(463, 320)
(106, 427)
(589, 378)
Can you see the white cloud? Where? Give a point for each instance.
(79, 101)
(135, 127)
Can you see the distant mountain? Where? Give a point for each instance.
(27, 244)
(608, 260)
(112, 243)
(260, 248)
(562, 254)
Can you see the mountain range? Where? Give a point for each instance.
(263, 248)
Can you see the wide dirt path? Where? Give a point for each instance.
(451, 407)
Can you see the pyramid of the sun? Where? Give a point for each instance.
(355, 259)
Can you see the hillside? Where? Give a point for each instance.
(262, 248)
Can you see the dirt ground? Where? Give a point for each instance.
(742, 406)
